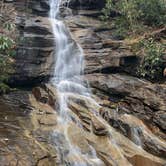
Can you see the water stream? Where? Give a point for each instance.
(69, 62)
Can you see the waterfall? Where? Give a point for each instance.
(69, 62)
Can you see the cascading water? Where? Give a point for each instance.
(69, 61)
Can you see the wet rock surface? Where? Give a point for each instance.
(125, 127)
(103, 52)
(21, 141)
(28, 128)
(130, 105)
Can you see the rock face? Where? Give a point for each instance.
(40, 7)
(21, 127)
(133, 107)
(126, 124)
(87, 4)
(28, 133)
(35, 53)
(103, 53)
(130, 87)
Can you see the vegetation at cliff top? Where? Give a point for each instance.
(7, 44)
(134, 13)
(135, 18)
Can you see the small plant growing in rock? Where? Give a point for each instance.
(152, 63)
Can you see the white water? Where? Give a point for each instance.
(69, 62)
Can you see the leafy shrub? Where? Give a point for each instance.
(130, 14)
(136, 12)
(7, 44)
(152, 12)
(106, 11)
(6, 51)
(152, 63)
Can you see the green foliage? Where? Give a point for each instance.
(121, 28)
(9, 26)
(6, 51)
(132, 17)
(130, 14)
(152, 64)
(152, 12)
(134, 13)
(7, 45)
(106, 11)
